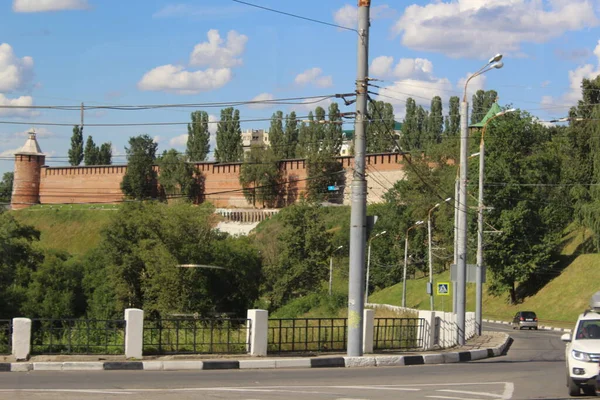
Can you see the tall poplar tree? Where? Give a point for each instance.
(90, 156)
(291, 135)
(478, 109)
(435, 125)
(229, 137)
(276, 136)
(198, 140)
(332, 143)
(105, 154)
(410, 131)
(137, 182)
(380, 128)
(76, 150)
(454, 117)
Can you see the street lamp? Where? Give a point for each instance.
(430, 289)
(369, 264)
(461, 265)
(406, 262)
(331, 268)
(479, 268)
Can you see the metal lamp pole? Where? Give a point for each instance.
(479, 270)
(369, 265)
(461, 266)
(406, 262)
(331, 269)
(429, 255)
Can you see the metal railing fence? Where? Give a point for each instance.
(307, 334)
(398, 333)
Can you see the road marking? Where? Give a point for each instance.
(498, 396)
(378, 388)
(450, 398)
(90, 391)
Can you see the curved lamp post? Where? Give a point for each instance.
(493, 63)
(479, 270)
(406, 261)
(369, 264)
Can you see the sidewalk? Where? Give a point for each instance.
(490, 344)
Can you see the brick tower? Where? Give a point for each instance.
(26, 185)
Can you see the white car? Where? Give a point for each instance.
(583, 351)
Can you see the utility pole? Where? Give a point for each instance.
(461, 262)
(81, 126)
(358, 217)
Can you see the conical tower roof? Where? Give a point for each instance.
(31, 146)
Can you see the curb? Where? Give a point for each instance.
(271, 363)
(543, 327)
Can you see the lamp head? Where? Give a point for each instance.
(448, 199)
(496, 58)
(339, 247)
(418, 223)
(498, 65)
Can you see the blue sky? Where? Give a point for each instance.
(64, 52)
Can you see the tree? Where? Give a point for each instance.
(138, 180)
(276, 136)
(410, 129)
(260, 176)
(380, 128)
(435, 126)
(229, 137)
(291, 135)
(176, 175)
(305, 139)
(6, 187)
(76, 150)
(198, 140)
(91, 152)
(478, 109)
(105, 154)
(453, 126)
(422, 128)
(304, 251)
(332, 141)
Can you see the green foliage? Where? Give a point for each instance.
(291, 135)
(198, 141)
(435, 125)
(276, 136)
(453, 119)
(176, 175)
(229, 137)
(260, 176)
(55, 289)
(105, 154)
(324, 170)
(380, 128)
(332, 140)
(76, 150)
(6, 187)
(138, 180)
(304, 254)
(18, 260)
(91, 152)
(411, 130)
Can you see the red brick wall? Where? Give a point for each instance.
(221, 181)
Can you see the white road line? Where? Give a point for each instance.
(90, 391)
(498, 396)
(378, 388)
(450, 398)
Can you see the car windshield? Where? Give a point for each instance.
(589, 329)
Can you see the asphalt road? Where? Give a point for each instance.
(533, 369)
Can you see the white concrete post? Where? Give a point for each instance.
(21, 338)
(257, 335)
(368, 330)
(427, 330)
(134, 333)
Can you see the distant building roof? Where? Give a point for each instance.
(494, 109)
(31, 146)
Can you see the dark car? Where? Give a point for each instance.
(525, 319)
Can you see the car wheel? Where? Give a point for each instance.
(589, 390)
(574, 389)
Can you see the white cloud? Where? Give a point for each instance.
(19, 101)
(314, 76)
(571, 97)
(31, 6)
(414, 68)
(459, 28)
(39, 133)
(214, 54)
(15, 73)
(262, 97)
(9, 153)
(175, 79)
(179, 141)
(347, 16)
(157, 139)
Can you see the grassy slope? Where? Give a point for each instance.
(75, 230)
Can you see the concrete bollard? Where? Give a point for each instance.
(257, 335)
(134, 333)
(368, 330)
(427, 330)
(21, 338)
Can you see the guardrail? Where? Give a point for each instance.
(5, 336)
(398, 333)
(197, 336)
(307, 334)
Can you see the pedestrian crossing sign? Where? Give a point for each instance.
(443, 289)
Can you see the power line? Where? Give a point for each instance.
(296, 16)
